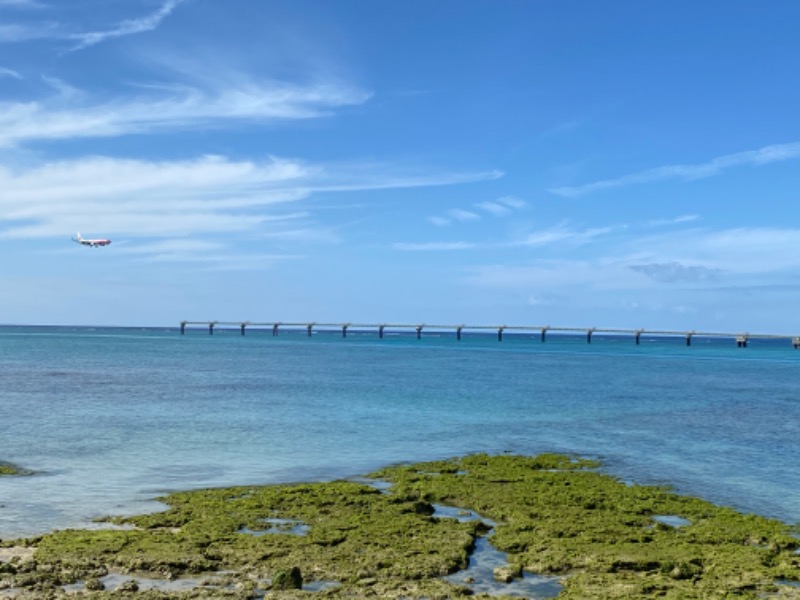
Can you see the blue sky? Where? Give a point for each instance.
(611, 164)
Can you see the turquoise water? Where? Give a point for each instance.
(108, 419)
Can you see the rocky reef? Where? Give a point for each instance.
(551, 514)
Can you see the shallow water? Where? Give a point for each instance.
(479, 576)
(109, 419)
(485, 558)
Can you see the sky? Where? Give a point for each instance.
(619, 164)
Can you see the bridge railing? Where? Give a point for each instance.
(741, 339)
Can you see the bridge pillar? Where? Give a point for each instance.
(458, 332)
(419, 331)
(275, 329)
(211, 328)
(544, 334)
(242, 326)
(183, 327)
(741, 341)
(380, 331)
(500, 333)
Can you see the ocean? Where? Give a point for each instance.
(106, 420)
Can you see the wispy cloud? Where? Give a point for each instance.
(674, 272)
(202, 196)
(762, 156)
(562, 234)
(209, 255)
(15, 32)
(681, 262)
(684, 260)
(439, 221)
(71, 116)
(126, 27)
(458, 214)
(502, 206)
(5, 72)
(499, 207)
(21, 3)
(190, 200)
(673, 221)
(433, 246)
(64, 90)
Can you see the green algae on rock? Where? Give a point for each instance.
(557, 515)
(10, 469)
(552, 514)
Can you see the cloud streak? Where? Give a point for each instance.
(500, 207)
(674, 272)
(21, 3)
(561, 234)
(5, 72)
(754, 158)
(69, 116)
(190, 200)
(15, 33)
(126, 27)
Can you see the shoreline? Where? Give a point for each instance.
(556, 516)
(149, 503)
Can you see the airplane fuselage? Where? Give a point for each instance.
(94, 243)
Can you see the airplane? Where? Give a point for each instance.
(93, 243)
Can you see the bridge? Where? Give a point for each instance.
(741, 339)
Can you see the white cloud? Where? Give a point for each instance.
(64, 90)
(678, 265)
(6, 72)
(675, 272)
(188, 200)
(458, 214)
(127, 27)
(562, 234)
(512, 202)
(737, 252)
(494, 208)
(14, 32)
(21, 3)
(762, 156)
(439, 221)
(68, 116)
(674, 221)
(502, 206)
(499, 207)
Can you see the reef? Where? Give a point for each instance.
(9, 469)
(551, 515)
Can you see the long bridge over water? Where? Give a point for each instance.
(741, 339)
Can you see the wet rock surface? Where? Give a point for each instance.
(557, 525)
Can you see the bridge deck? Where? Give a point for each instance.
(741, 338)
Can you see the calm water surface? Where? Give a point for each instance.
(108, 419)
